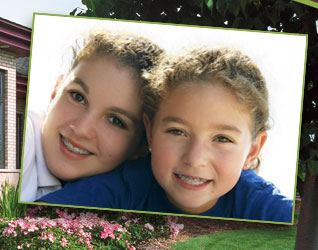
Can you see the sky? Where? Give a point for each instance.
(282, 66)
(21, 11)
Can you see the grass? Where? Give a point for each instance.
(242, 239)
(9, 206)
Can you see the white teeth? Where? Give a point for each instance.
(71, 148)
(192, 181)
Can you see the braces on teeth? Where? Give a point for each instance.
(70, 147)
(191, 181)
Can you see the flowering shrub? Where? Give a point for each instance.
(174, 227)
(63, 228)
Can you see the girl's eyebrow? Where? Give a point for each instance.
(79, 81)
(168, 119)
(223, 127)
(227, 128)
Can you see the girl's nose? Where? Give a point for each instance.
(84, 127)
(197, 154)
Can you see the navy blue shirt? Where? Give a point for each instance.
(132, 186)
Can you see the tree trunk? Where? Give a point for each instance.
(307, 229)
(300, 187)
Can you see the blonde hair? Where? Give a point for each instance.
(204, 65)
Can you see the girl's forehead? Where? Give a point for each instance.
(118, 63)
(103, 74)
(211, 86)
(106, 61)
(204, 97)
(193, 88)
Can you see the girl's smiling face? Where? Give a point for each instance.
(94, 120)
(201, 140)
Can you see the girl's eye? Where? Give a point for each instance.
(116, 122)
(176, 132)
(223, 139)
(77, 97)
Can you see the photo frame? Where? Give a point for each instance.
(282, 66)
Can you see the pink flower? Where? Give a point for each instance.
(51, 237)
(51, 223)
(65, 223)
(123, 217)
(9, 230)
(107, 232)
(64, 242)
(32, 228)
(149, 226)
(90, 246)
(43, 236)
(135, 220)
(172, 219)
(129, 247)
(127, 223)
(175, 229)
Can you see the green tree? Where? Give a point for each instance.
(276, 15)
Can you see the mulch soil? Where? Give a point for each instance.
(194, 227)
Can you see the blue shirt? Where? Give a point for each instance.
(132, 186)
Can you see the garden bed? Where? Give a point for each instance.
(194, 227)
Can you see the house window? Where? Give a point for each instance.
(2, 120)
(20, 123)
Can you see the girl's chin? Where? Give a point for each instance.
(188, 205)
(191, 205)
(65, 176)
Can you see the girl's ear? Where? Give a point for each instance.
(255, 149)
(147, 124)
(56, 87)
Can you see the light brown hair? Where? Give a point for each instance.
(130, 50)
(204, 65)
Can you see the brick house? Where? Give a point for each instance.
(15, 43)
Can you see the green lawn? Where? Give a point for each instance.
(242, 239)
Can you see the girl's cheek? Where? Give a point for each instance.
(161, 147)
(61, 108)
(225, 162)
(112, 140)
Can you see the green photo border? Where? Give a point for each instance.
(308, 2)
(147, 212)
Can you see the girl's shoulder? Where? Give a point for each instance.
(141, 164)
(250, 179)
(121, 188)
(261, 199)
